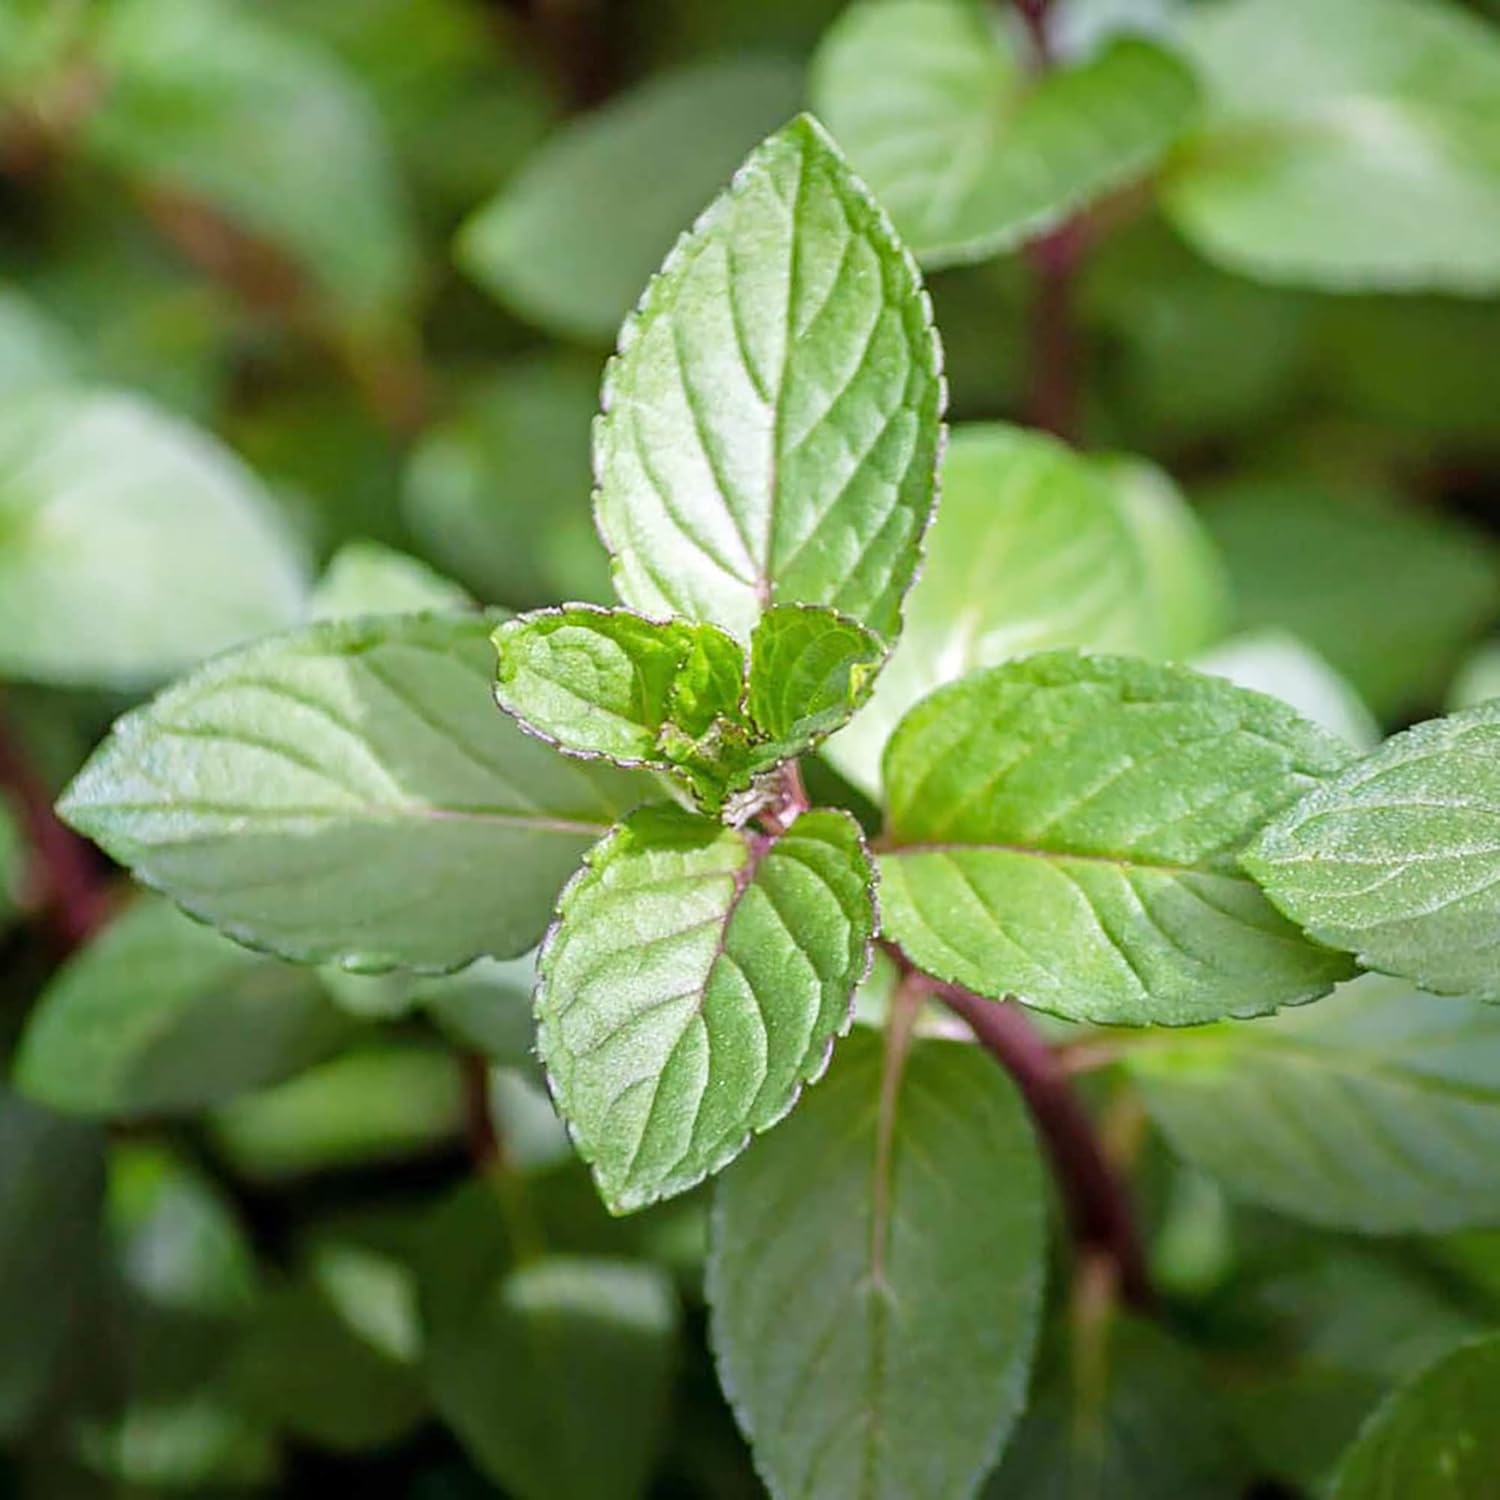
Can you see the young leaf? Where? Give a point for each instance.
(348, 794)
(1349, 144)
(160, 1014)
(365, 578)
(771, 420)
(1377, 1109)
(570, 242)
(935, 102)
(694, 982)
(1032, 547)
(1065, 828)
(1397, 859)
(108, 509)
(1436, 1439)
(875, 1276)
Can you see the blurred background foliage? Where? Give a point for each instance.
(292, 282)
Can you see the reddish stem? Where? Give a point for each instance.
(64, 868)
(1097, 1203)
(484, 1143)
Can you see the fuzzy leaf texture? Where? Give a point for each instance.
(695, 981)
(1398, 859)
(1376, 1110)
(891, 1234)
(347, 793)
(771, 422)
(970, 148)
(1065, 828)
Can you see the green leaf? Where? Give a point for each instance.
(498, 491)
(348, 793)
(1348, 145)
(365, 578)
(696, 980)
(556, 1375)
(1065, 828)
(771, 421)
(51, 1186)
(671, 694)
(379, 1104)
(161, 1015)
(972, 152)
(33, 350)
(1034, 546)
(1397, 860)
(1410, 589)
(1377, 1109)
(1126, 1414)
(1477, 680)
(216, 104)
(1434, 1440)
(875, 1276)
(1271, 661)
(570, 241)
(109, 508)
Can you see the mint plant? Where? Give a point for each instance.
(940, 983)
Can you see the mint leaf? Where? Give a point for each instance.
(771, 420)
(1397, 859)
(364, 578)
(891, 1234)
(810, 670)
(695, 981)
(1477, 679)
(1347, 145)
(216, 103)
(971, 152)
(555, 1374)
(1376, 1110)
(348, 794)
(1035, 546)
(159, 1014)
(570, 241)
(91, 483)
(1065, 828)
(1435, 1439)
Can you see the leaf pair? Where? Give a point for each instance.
(681, 697)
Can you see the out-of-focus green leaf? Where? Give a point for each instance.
(1477, 680)
(771, 436)
(1272, 661)
(1349, 144)
(695, 982)
(349, 793)
(1435, 1440)
(875, 1275)
(160, 1014)
(1409, 590)
(498, 492)
(365, 578)
(486, 1007)
(1397, 859)
(131, 546)
(1375, 1110)
(378, 1104)
(572, 239)
(1066, 829)
(213, 102)
(34, 351)
(14, 856)
(970, 148)
(1035, 546)
(1125, 1414)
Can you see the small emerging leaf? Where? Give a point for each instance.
(695, 981)
(810, 669)
(1397, 860)
(1065, 828)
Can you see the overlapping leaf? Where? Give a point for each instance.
(1398, 859)
(1065, 828)
(875, 1276)
(348, 793)
(935, 103)
(695, 982)
(771, 421)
